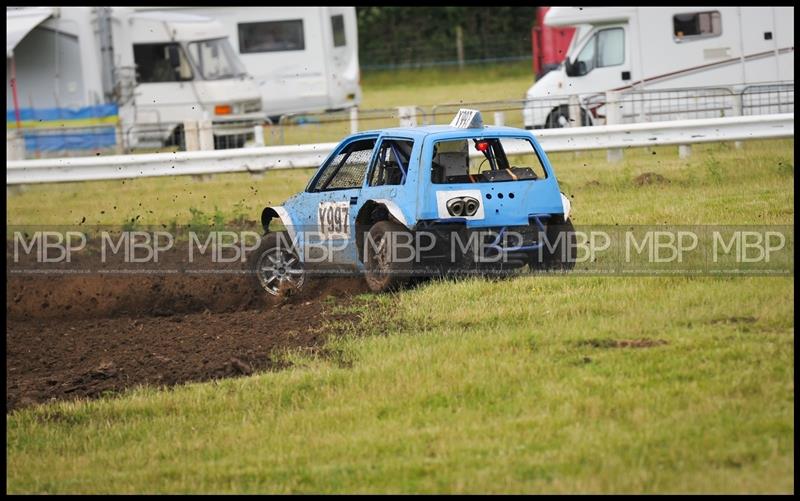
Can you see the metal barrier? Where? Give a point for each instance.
(680, 132)
(768, 98)
(673, 104)
(628, 107)
(635, 106)
(301, 128)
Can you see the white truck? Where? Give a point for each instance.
(646, 49)
(158, 69)
(304, 59)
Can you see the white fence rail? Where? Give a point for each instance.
(677, 132)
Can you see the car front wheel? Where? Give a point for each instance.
(276, 266)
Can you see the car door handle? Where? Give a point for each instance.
(353, 200)
(626, 75)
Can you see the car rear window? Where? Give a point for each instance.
(485, 160)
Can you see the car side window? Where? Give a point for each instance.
(390, 167)
(346, 169)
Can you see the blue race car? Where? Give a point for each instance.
(396, 203)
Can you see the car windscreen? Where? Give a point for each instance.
(485, 160)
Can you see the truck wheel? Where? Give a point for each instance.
(382, 272)
(561, 236)
(559, 118)
(276, 266)
(176, 138)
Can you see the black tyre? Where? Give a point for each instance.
(559, 118)
(387, 268)
(276, 266)
(176, 139)
(560, 250)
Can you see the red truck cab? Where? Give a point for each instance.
(550, 44)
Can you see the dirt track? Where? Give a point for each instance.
(82, 336)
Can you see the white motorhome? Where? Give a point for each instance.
(628, 49)
(304, 59)
(159, 69)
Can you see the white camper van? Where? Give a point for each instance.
(155, 70)
(628, 49)
(304, 59)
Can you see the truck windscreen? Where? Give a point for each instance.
(215, 59)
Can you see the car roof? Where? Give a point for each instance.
(448, 132)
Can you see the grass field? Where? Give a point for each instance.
(522, 385)
(385, 90)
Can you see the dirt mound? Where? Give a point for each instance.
(622, 343)
(83, 336)
(650, 178)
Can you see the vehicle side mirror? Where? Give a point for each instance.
(569, 69)
(580, 68)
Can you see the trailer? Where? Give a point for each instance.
(624, 49)
(140, 75)
(304, 59)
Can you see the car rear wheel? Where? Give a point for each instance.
(276, 266)
(560, 251)
(384, 263)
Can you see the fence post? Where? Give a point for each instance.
(258, 135)
(119, 148)
(190, 137)
(499, 118)
(205, 135)
(353, 119)
(737, 112)
(574, 111)
(460, 47)
(684, 150)
(613, 117)
(407, 115)
(15, 145)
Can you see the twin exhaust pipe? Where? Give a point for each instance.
(463, 206)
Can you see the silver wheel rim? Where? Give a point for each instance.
(279, 271)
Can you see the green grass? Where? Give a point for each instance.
(386, 90)
(446, 85)
(475, 385)
(483, 387)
